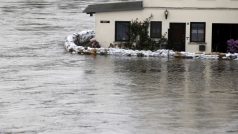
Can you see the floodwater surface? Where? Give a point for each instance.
(46, 90)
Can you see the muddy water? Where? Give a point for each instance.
(46, 90)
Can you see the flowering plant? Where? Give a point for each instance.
(232, 46)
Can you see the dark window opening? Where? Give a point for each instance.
(155, 29)
(122, 31)
(197, 31)
(221, 33)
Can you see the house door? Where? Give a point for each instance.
(176, 36)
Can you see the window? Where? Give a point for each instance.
(122, 31)
(155, 29)
(197, 31)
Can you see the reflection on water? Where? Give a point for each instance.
(46, 90)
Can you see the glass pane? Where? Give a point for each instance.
(200, 37)
(200, 26)
(194, 26)
(194, 36)
(194, 31)
(198, 32)
(122, 31)
(155, 30)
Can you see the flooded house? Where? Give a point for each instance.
(189, 25)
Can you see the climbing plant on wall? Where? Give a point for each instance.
(139, 36)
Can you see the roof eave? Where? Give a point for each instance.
(109, 7)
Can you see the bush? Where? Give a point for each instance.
(139, 36)
(138, 33)
(232, 46)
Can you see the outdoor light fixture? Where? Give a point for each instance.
(166, 14)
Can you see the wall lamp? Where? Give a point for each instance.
(166, 14)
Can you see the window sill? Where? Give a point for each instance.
(155, 37)
(197, 43)
(122, 41)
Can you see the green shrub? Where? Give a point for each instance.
(139, 36)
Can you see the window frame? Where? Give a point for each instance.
(116, 39)
(160, 32)
(204, 35)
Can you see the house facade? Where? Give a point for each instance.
(189, 25)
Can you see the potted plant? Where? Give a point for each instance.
(232, 46)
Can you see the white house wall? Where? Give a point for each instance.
(192, 3)
(105, 32)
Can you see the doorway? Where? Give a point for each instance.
(221, 33)
(176, 36)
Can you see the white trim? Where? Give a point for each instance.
(194, 8)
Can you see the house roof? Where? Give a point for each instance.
(110, 7)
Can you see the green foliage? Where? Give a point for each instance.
(162, 43)
(139, 36)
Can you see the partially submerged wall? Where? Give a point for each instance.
(105, 32)
(192, 3)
